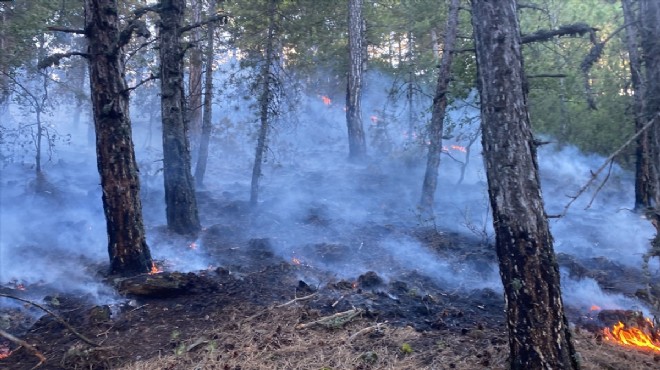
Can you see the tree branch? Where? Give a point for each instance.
(150, 78)
(54, 59)
(66, 30)
(28, 346)
(576, 29)
(222, 17)
(594, 175)
(547, 75)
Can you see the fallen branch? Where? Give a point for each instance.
(366, 330)
(579, 29)
(594, 175)
(333, 321)
(28, 346)
(57, 317)
(298, 299)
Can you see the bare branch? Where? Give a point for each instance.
(609, 159)
(222, 17)
(54, 59)
(576, 29)
(547, 75)
(28, 346)
(66, 30)
(150, 78)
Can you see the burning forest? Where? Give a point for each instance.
(179, 193)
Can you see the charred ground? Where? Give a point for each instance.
(260, 306)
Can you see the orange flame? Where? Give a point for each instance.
(295, 261)
(155, 269)
(594, 308)
(326, 100)
(20, 287)
(632, 337)
(4, 352)
(459, 148)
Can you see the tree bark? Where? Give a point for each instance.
(182, 213)
(356, 139)
(436, 126)
(127, 246)
(539, 337)
(643, 172)
(264, 103)
(650, 37)
(203, 156)
(195, 82)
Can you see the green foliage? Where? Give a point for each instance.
(406, 349)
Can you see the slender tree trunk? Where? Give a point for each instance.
(264, 103)
(203, 156)
(195, 83)
(356, 139)
(539, 335)
(182, 213)
(120, 183)
(648, 166)
(438, 111)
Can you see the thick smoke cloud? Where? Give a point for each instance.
(59, 238)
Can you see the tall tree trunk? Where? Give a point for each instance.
(182, 213)
(539, 336)
(650, 36)
(120, 183)
(357, 145)
(647, 102)
(195, 83)
(438, 110)
(643, 172)
(264, 102)
(203, 156)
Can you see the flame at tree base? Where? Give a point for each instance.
(633, 337)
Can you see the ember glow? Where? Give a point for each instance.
(155, 269)
(459, 148)
(295, 261)
(374, 119)
(594, 308)
(193, 246)
(4, 351)
(326, 100)
(632, 337)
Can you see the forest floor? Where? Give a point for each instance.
(257, 308)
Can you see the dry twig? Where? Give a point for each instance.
(57, 317)
(366, 330)
(333, 321)
(298, 299)
(28, 346)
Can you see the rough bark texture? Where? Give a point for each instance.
(202, 158)
(643, 172)
(182, 214)
(357, 145)
(539, 336)
(195, 82)
(436, 125)
(650, 36)
(120, 183)
(264, 102)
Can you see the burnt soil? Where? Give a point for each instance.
(249, 310)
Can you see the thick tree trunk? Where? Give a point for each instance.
(357, 145)
(195, 83)
(182, 214)
(203, 156)
(120, 183)
(264, 103)
(539, 336)
(439, 107)
(643, 172)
